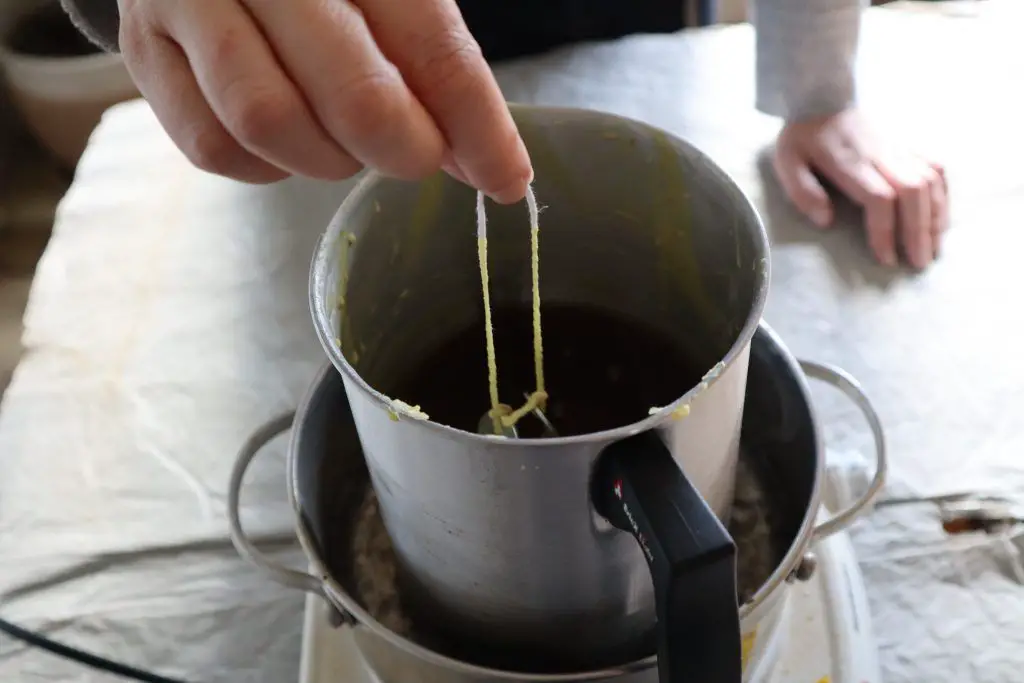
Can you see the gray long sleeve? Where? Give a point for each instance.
(805, 50)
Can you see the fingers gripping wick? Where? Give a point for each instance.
(502, 415)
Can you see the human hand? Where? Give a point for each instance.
(258, 90)
(901, 194)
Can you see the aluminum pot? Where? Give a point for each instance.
(581, 549)
(327, 476)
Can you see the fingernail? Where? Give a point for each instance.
(525, 155)
(889, 259)
(516, 191)
(513, 193)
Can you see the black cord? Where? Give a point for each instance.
(91, 660)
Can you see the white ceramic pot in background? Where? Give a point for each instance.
(62, 98)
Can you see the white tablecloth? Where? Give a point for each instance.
(169, 318)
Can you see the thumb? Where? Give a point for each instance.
(802, 187)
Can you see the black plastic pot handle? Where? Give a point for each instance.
(640, 489)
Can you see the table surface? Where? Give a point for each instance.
(168, 319)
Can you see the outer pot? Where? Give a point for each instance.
(63, 98)
(579, 546)
(327, 475)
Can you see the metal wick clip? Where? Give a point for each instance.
(962, 513)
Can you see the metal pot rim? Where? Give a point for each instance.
(326, 252)
(349, 605)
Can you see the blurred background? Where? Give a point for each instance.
(54, 90)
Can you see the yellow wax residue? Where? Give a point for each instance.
(346, 340)
(681, 412)
(684, 410)
(747, 647)
(347, 240)
(712, 374)
(677, 414)
(824, 679)
(502, 415)
(399, 408)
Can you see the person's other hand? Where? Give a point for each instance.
(904, 197)
(258, 90)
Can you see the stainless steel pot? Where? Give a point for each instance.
(521, 542)
(327, 475)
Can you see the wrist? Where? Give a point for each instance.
(818, 115)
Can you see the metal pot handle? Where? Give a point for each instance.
(842, 381)
(287, 577)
